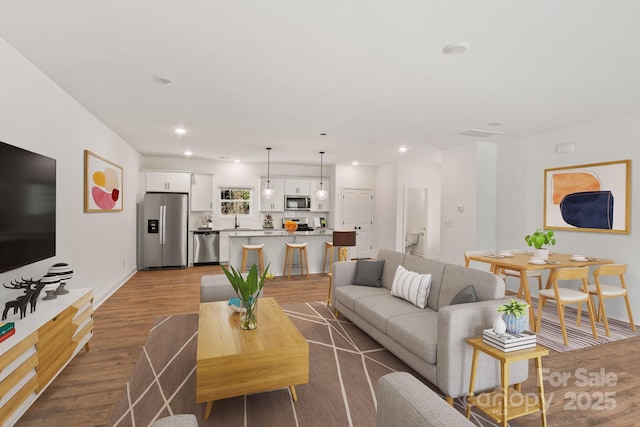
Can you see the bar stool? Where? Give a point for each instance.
(245, 251)
(328, 250)
(288, 257)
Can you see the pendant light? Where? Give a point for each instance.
(268, 192)
(322, 193)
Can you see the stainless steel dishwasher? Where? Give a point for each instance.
(206, 247)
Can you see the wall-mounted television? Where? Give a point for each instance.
(27, 207)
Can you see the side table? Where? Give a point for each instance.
(509, 402)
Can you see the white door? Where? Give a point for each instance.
(357, 214)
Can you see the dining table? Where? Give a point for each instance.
(521, 262)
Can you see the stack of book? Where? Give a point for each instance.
(509, 341)
(6, 330)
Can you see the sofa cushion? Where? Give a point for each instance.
(379, 309)
(411, 286)
(369, 273)
(465, 296)
(392, 260)
(424, 265)
(348, 294)
(417, 332)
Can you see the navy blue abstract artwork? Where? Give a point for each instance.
(589, 209)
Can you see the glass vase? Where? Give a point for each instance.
(515, 324)
(248, 319)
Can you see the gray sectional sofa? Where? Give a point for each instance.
(431, 340)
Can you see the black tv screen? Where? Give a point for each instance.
(27, 207)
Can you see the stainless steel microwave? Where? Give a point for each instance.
(297, 203)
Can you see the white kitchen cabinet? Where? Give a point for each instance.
(276, 204)
(297, 187)
(318, 205)
(168, 182)
(202, 192)
(224, 248)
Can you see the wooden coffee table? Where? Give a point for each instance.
(233, 362)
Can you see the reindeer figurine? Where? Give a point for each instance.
(31, 290)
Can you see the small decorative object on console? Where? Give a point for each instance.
(64, 273)
(31, 290)
(51, 283)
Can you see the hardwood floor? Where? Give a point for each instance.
(86, 391)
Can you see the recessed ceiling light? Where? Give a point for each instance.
(237, 160)
(355, 163)
(180, 131)
(162, 80)
(457, 48)
(402, 149)
(188, 153)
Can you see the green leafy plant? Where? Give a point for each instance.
(540, 238)
(248, 290)
(515, 307)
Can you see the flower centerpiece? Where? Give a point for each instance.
(290, 226)
(541, 240)
(248, 290)
(514, 315)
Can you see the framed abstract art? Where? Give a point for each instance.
(593, 197)
(102, 184)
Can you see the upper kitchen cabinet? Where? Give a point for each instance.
(276, 204)
(168, 182)
(297, 187)
(318, 205)
(202, 192)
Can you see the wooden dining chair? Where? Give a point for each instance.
(604, 291)
(537, 274)
(564, 296)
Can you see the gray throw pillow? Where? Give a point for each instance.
(466, 295)
(369, 273)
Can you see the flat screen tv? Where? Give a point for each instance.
(27, 207)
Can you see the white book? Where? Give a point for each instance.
(509, 338)
(509, 349)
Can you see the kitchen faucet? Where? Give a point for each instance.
(236, 224)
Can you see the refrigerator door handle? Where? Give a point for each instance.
(162, 221)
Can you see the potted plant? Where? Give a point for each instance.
(514, 315)
(540, 240)
(248, 290)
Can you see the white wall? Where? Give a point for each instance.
(37, 115)
(521, 165)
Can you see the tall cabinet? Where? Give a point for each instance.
(44, 343)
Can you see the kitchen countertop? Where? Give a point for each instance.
(261, 231)
(276, 232)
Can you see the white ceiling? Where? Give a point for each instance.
(252, 74)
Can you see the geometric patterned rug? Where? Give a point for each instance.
(550, 334)
(344, 367)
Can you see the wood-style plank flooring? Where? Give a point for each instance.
(86, 391)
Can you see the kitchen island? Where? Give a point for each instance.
(274, 247)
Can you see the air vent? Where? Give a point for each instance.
(481, 133)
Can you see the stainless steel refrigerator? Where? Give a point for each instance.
(164, 230)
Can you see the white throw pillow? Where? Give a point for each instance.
(411, 286)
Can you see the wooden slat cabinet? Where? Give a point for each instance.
(44, 343)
